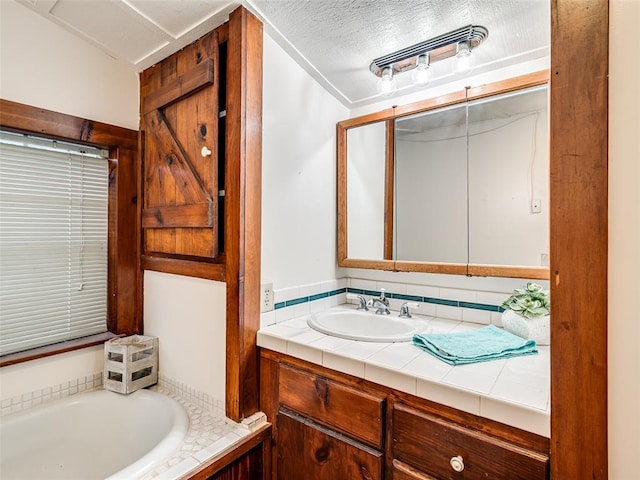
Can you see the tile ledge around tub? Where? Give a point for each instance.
(210, 435)
(293, 337)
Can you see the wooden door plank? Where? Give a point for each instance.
(187, 84)
(181, 216)
(187, 180)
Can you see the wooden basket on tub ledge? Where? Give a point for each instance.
(130, 363)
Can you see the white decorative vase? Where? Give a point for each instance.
(537, 328)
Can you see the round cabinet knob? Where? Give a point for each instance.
(205, 152)
(457, 463)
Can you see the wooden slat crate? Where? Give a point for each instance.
(130, 363)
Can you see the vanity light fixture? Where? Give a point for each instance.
(459, 43)
(422, 74)
(386, 83)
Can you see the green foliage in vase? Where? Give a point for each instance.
(530, 302)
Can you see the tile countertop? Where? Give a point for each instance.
(514, 391)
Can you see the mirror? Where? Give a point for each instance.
(509, 179)
(431, 186)
(456, 184)
(366, 174)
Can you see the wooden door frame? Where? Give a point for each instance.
(578, 224)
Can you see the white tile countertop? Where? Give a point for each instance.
(514, 391)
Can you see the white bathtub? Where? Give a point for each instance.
(94, 435)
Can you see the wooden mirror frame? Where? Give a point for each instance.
(388, 116)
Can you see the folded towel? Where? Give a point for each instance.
(478, 345)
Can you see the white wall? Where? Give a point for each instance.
(624, 241)
(298, 173)
(47, 67)
(188, 317)
(43, 66)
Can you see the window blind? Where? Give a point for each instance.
(53, 241)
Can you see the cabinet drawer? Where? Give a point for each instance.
(428, 443)
(344, 408)
(402, 471)
(308, 451)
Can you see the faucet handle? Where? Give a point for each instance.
(404, 309)
(363, 302)
(383, 297)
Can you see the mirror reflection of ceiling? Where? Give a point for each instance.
(503, 106)
(334, 40)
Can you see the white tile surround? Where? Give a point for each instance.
(210, 433)
(514, 391)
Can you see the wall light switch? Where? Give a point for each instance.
(266, 297)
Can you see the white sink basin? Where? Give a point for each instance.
(366, 326)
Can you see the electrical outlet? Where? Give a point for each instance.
(266, 297)
(536, 205)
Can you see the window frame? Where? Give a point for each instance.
(124, 300)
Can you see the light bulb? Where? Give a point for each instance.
(421, 75)
(464, 64)
(386, 83)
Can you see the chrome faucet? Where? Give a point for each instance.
(381, 304)
(405, 309)
(362, 301)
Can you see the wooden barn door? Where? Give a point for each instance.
(179, 108)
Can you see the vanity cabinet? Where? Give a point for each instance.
(438, 448)
(329, 425)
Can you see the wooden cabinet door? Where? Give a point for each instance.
(179, 109)
(308, 451)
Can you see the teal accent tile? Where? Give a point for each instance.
(318, 296)
(442, 301)
(409, 298)
(296, 301)
(398, 296)
(479, 306)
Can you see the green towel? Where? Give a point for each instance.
(471, 346)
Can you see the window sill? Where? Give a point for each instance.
(48, 350)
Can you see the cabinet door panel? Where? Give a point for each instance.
(351, 411)
(307, 451)
(179, 108)
(429, 443)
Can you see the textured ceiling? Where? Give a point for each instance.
(340, 38)
(334, 40)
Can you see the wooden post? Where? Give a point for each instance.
(243, 197)
(578, 191)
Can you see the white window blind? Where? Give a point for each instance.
(53, 241)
